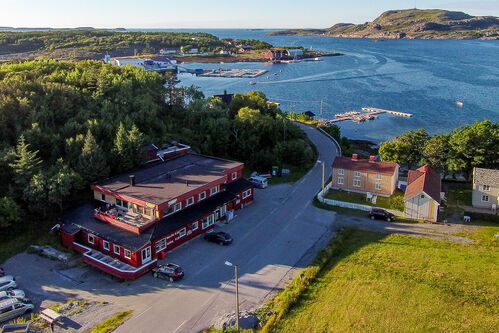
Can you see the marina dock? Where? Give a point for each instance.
(368, 113)
(235, 73)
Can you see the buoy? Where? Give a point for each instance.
(281, 70)
(268, 77)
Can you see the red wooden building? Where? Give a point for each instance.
(139, 217)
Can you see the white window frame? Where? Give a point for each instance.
(102, 197)
(208, 221)
(116, 247)
(91, 239)
(204, 196)
(121, 204)
(356, 183)
(176, 207)
(341, 181)
(189, 202)
(145, 255)
(378, 176)
(161, 245)
(214, 190)
(182, 232)
(486, 188)
(195, 226)
(125, 251)
(246, 193)
(356, 173)
(485, 198)
(378, 186)
(234, 175)
(105, 245)
(341, 172)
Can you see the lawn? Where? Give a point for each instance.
(112, 323)
(396, 283)
(396, 201)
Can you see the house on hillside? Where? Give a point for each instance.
(310, 114)
(245, 48)
(275, 54)
(363, 176)
(294, 53)
(423, 194)
(485, 188)
(138, 217)
(226, 98)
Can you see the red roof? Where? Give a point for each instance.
(384, 168)
(426, 180)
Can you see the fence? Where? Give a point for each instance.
(332, 139)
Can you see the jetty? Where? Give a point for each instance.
(378, 111)
(234, 73)
(368, 113)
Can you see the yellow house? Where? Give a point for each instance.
(422, 196)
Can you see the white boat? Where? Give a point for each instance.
(316, 59)
(459, 103)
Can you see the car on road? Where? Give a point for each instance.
(13, 293)
(12, 308)
(170, 271)
(220, 237)
(7, 282)
(381, 214)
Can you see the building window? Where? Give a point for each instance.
(122, 203)
(105, 245)
(116, 249)
(378, 186)
(103, 197)
(174, 208)
(341, 172)
(356, 182)
(485, 198)
(181, 233)
(161, 245)
(356, 173)
(214, 190)
(128, 254)
(234, 175)
(378, 176)
(91, 239)
(340, 180)
(486, 188)
(189, 202)
(246, 193)
(202, 196)
(194, 226)
(208, 221)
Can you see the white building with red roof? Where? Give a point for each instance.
(422, 196)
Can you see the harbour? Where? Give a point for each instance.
(367, 113)
(232, 73)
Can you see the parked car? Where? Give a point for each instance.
(222, 238)
(168, 271)
(7, 282)
(12, 308)
(13, 293)
(381, 214)
(259, 181)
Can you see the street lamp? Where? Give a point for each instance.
(228, 263)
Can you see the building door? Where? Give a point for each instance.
(217, 214)
(146, 255)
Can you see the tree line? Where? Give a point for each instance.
(64, 125)
(461, 150)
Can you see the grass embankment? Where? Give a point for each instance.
(112, 323)
(394, 283)
(395, 201)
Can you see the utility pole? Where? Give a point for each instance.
(237, 299)
(322, 100)
(323, 171)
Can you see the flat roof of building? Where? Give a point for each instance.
(162, 182)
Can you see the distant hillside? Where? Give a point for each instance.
(414, 24)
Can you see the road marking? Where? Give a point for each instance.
(140, 314)
(180, 326)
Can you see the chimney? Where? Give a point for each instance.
(371, 159)
(354, 157)
(132, 180)
(426, 169)
(186, 183)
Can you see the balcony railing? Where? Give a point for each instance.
(123, 218)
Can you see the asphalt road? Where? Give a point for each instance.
(273, 238)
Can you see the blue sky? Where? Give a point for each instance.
(214, 13)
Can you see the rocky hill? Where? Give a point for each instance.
(415, 24)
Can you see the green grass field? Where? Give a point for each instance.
(395, 283)
(395, 201)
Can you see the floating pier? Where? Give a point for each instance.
(378, 111)
(369, 113)
(235, 73)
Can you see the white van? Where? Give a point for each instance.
(12, 308)
(258, 181)
(7, 282)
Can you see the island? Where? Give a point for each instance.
(411, 24)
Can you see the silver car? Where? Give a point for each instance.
(7, 282)
(13, 293)
(12, 308)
